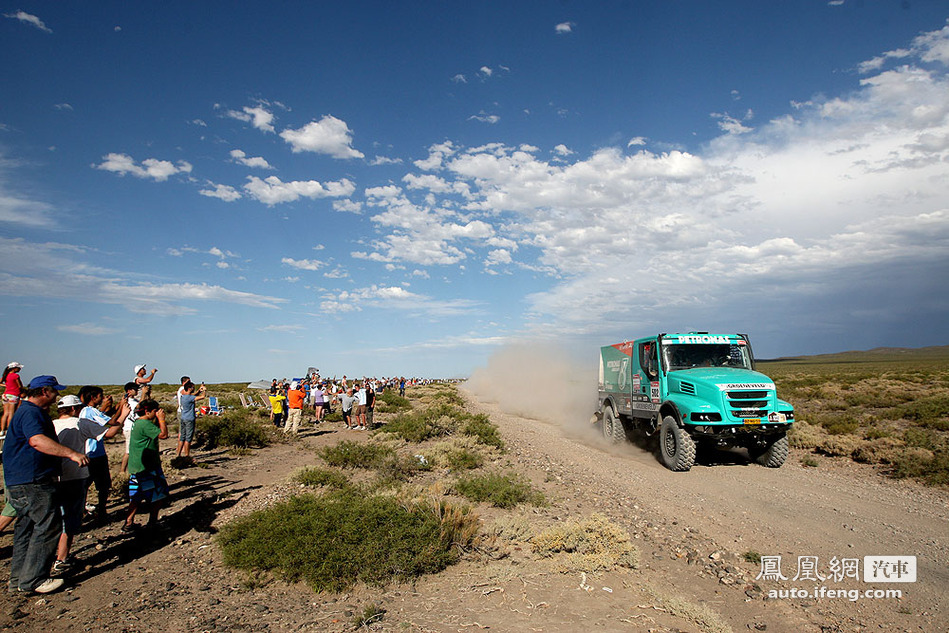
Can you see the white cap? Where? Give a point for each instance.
(138, 368)
(14, 365)
(294, 385)
(69, 401)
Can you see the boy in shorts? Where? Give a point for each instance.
(187, 416)
(147, 482)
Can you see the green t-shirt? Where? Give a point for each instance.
(143, 446)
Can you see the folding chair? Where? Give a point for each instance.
(213, 407)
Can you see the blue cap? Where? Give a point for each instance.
(46, 381)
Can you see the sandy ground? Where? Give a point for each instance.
(692, 529)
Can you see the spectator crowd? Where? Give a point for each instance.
(51, 465)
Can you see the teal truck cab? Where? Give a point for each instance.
(692, 388)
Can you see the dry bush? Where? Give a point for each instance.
(591, 544)
(700, 615)
(512, 528)
(458, 453)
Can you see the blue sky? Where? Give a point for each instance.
(239, 190)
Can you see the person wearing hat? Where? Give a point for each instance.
(73, 431)
(144, 388)
(295, 397)
(12, 387)
(32, 461)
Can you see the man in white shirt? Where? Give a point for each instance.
(74, 432)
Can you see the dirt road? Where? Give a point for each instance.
(725, 507)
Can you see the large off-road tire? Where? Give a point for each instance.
(772, 456)
(676, 446)
(612, 427)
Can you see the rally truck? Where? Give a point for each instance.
(695, 388)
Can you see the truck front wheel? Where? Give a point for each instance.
(613, 430)
(774, 455)
(677, 447)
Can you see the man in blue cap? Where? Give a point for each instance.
(31, 466)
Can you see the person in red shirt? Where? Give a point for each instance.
(12, 388)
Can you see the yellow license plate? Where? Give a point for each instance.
(751, 421)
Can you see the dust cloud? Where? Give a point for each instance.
(542, 382)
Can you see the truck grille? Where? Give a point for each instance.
(748, 404)
(746, 395)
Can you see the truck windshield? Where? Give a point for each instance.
(676, 357)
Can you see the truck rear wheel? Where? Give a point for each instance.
(774, 455)
(613, 430)
(677, 447)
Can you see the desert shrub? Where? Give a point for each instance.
(459, 453)
(875, 433)
(449, 397)
(394, 468)
(464, 459)
(591, 544)
(877, 451)
(348, 454)
(701, 615)
(837, 424)
(370, 614)
(412, 427)
(512, 528)
(932, 467)
(921, 438)
(338, 539)
(321, 478)
(752, 557)
(930, 411)
(804, 435)
(502, 491)
(233, 430)
(481, 427)
(335, 416)
(418, 426)
(390, 401)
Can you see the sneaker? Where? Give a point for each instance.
(49, 585)
(60, 568)
(360, 428)
(129, 527)
(90, 508)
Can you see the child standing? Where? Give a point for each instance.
(187, 416)
(131, 389)
(146, 480)
(276, 406)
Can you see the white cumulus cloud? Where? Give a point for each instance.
(273, 191)
(240, 157)
(221, 192)
(329, 135)
(258, 116)
(158, 170)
